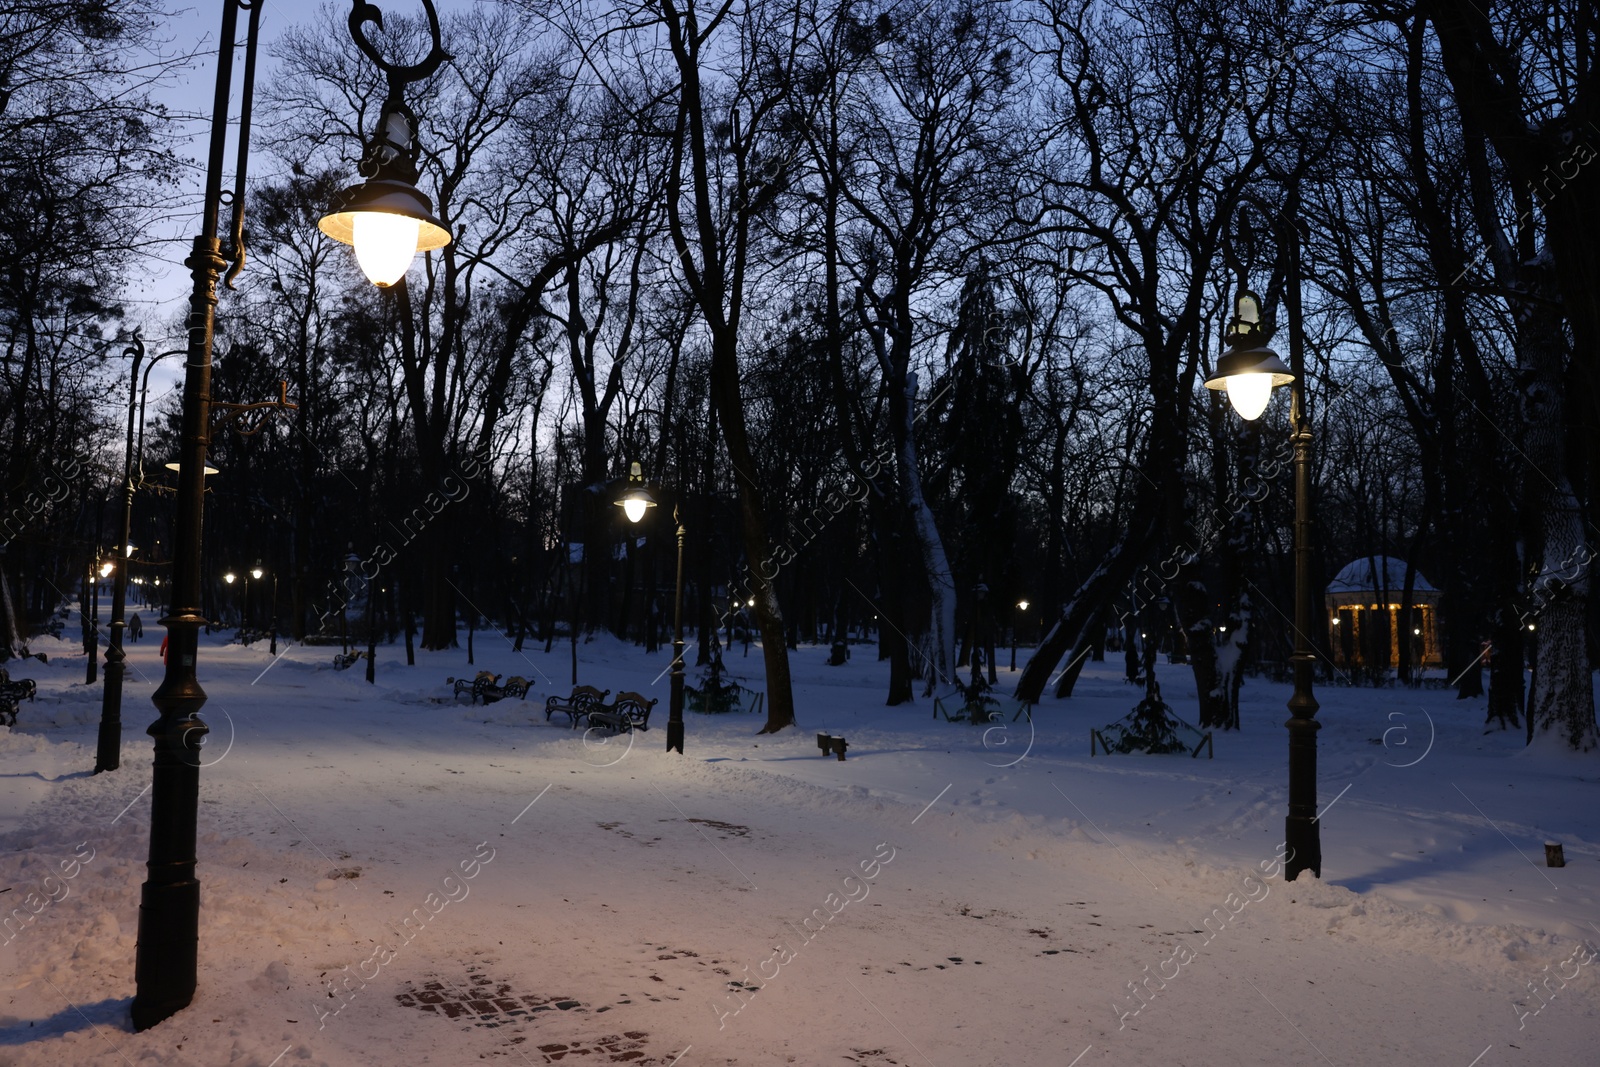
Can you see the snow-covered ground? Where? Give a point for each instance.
(389, 877)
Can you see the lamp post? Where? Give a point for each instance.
(1249, 371)
(108, 747)
(169, 908)
(634, 503)
(255, 572)
(1022, 606)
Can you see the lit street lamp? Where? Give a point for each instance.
(169, 908)
(1022, 606)
(386, 218)
(255, 572)
(634, 503)
(1249, 371)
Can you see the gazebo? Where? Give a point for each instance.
(1364, 623)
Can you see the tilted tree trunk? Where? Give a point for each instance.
(1088, 603)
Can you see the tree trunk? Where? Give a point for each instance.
(1561, 702)
(1088, 603)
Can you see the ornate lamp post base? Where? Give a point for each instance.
(1302, 833)
(166, 964)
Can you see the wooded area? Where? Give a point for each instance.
(908, 308)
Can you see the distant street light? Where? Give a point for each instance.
(1022, 606)
(634, 502)
(108, 747)
(249, 615)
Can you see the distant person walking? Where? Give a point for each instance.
(135, 628)
(163, 650)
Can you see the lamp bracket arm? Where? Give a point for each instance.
(234, 254)
(362, 12)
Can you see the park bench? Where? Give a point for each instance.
(11, 694)
(516, 686)
(485, 682)
(578, 704)
(346, 659)
(630, 712)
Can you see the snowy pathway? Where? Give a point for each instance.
(391, 880)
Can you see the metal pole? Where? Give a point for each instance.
(108, 747)
(1302, 835)
(169, 907)
(1013, 637)
(88, 616)
(675, 707)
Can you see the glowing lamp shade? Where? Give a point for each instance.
(385, 245)
(1249, 394)
(388, 222)
(1249, 375)
(637, 500)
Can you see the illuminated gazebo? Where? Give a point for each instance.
(1364, 615)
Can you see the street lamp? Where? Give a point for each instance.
(637, 499)
(108, 747)
(634, 502)
(272, 619)
(255, 572)
(386, 218)
(169, 907)
(1022, 606)
(1249, 371)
